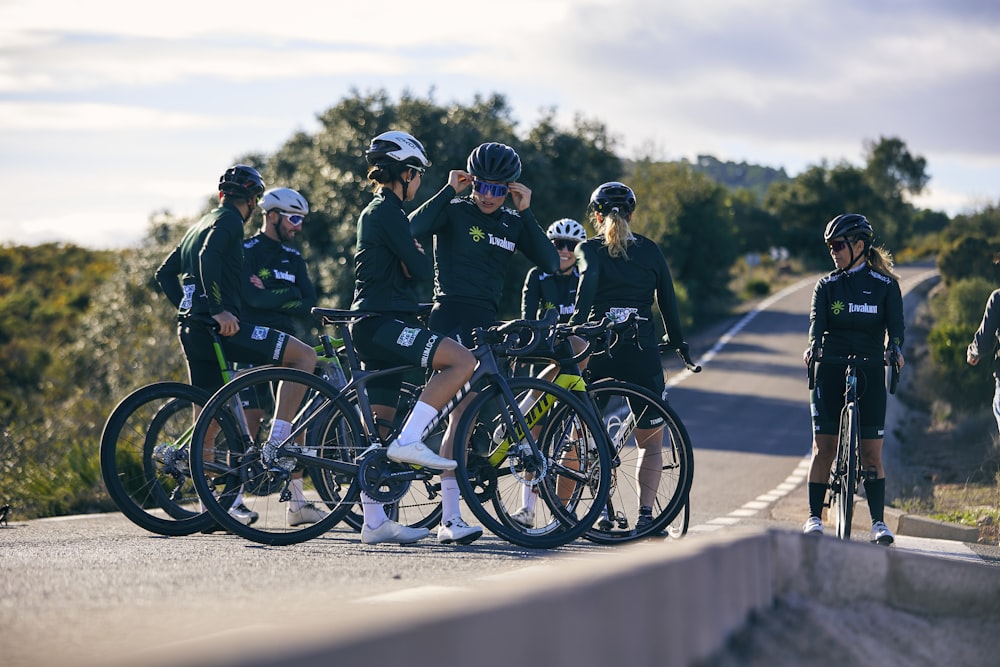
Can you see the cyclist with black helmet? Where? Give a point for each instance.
(388, 265)
(622, 273)
(544, 291)
(202, 276)
(276, 290)
(475, 237)
(856, 310)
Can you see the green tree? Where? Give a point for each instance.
(689, 216)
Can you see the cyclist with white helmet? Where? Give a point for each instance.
(857, 309)
(203, 276)
(622, 273)
(277, 290)
(544, 291)
(475, 237)
(388, 265)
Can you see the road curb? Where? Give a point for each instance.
(915, 525)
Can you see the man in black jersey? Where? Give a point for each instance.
(856, 310)
(202, 276)
(276, 291)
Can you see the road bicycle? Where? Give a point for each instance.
(628, 410)
(145, 446)
(846, 473)
(351, 445)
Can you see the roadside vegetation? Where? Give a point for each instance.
(79, 329)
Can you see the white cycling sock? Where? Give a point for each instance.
(374, 513)
(528, 497)
(416, 422)
(280, 429)
(298, 497)
(450, 497)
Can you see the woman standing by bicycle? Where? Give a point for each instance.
(388, 264)
(854, 310)
(622, 273)
(475, 238)
(543, 291)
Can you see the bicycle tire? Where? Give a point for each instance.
(155, 495)
(623, 405)
(847, 462)
(421, 506)
(494, 491)
(678, 528)
(251, 468)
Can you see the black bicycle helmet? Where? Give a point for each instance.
(242, 181)
(848, 225)
(399, 148)
(613, 195)
(494, 162)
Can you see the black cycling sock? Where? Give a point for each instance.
(875, 491)
(817, 494)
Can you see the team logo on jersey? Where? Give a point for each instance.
(837, 307)
(477, 234)
(407, 336)
(264, 274)
(548, 305)
(284, 275)
(502, 243)
(868, 308)
(620, 314)
(259, 333)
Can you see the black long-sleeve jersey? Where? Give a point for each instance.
(853, 312)
(987, 337)
(544, 291)
(385, 244)
(616, 286)
(472, 249)
(288, 292)
(202, 274)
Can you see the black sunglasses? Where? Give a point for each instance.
(837, 246)
(565, 244)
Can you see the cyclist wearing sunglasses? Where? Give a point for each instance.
(389, 264)
(857, 309)
(277, 291)
(475, 238)
(621, 273)
(276, 285)
(543, 291)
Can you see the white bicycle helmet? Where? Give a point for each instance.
(400, 147)
(566, 228)
(284, 199)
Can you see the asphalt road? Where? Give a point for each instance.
(94, 589)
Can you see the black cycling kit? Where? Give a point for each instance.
(615, 287)
(202, 276)
(287, 293)
(851, 314)
(544, 291)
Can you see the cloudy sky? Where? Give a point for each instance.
(112, 110)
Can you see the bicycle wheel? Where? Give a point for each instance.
(420, 507)
(638, 476)
(266, 472)
(847, 463)
(144, 458)
(494, 474)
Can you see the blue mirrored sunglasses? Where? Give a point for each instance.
(491, 189)
(294, 218)
(837, 246)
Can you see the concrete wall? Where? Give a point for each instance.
(652, 604)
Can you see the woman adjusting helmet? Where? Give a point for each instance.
(494, 162)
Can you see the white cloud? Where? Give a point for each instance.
(86, 116)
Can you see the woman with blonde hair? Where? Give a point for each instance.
(622, 273)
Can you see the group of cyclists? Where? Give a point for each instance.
(477, 221)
